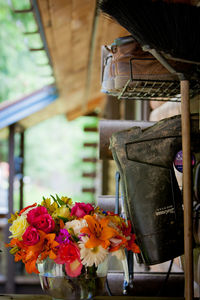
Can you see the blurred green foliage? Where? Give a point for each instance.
(53, 148)
(18, 65)
(53, 158)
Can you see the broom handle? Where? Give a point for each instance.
(163, 61)
(187, 194)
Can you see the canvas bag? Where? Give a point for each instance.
(152, 195)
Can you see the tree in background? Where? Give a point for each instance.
(18, 65)
(53, 148)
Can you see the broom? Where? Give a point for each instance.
(170, 27)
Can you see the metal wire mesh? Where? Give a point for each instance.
(155, 90)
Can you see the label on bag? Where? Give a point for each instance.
(165, 210)
(178, 161)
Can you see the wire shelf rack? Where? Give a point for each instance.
(156, 90)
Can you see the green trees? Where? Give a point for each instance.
(18, 66)
(54, 148)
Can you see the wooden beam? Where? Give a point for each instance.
(91, 53)
(108, 127)
(21, 188)
(90, 159)
(187, 189)
(89, 175)
(91, 106)
(10, 285)
(93, 145)
(111, 108)
(88, 190)
(90, 129)
(23, 11)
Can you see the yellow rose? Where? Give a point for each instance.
(62, 211)
(18, 227)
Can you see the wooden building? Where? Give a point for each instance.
(73, 32)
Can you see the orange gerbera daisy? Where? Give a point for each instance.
(98, 231)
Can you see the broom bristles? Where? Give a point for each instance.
(168, 27)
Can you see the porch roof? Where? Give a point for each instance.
(72, 32)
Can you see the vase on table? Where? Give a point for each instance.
(56, 283)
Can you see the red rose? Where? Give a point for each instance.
(36, 212)
(31, 236)
(81, 209)
(67, 253)
(44, 223)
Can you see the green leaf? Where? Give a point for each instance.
(63, 218)
(75, 238)
(60, 201)
(54, 199)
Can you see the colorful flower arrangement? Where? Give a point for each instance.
(77, 235)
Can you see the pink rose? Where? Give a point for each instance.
(30, 236)
(74, 269)
(44, 223)
(81, 209)
(36, 212)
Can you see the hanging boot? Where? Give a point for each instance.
(152, 195)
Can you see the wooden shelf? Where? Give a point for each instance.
(45, 297)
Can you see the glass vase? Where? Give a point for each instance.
(56, 283)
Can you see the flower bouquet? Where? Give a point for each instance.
(68, 245)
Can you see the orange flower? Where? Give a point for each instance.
(117, 242)
(62, 224)
(14, 243)
(24, 209)
(132, 244)
(45, 247)
(50, 246)
(126, 228)
(30, 265)
(25, 254)
(20, 255)
(98, 231)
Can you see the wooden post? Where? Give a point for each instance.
(21, 189)
(128, 109)
(10, 284)
(187, 194)
(111, 111)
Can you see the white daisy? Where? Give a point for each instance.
(76, 225)
(91, 256)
